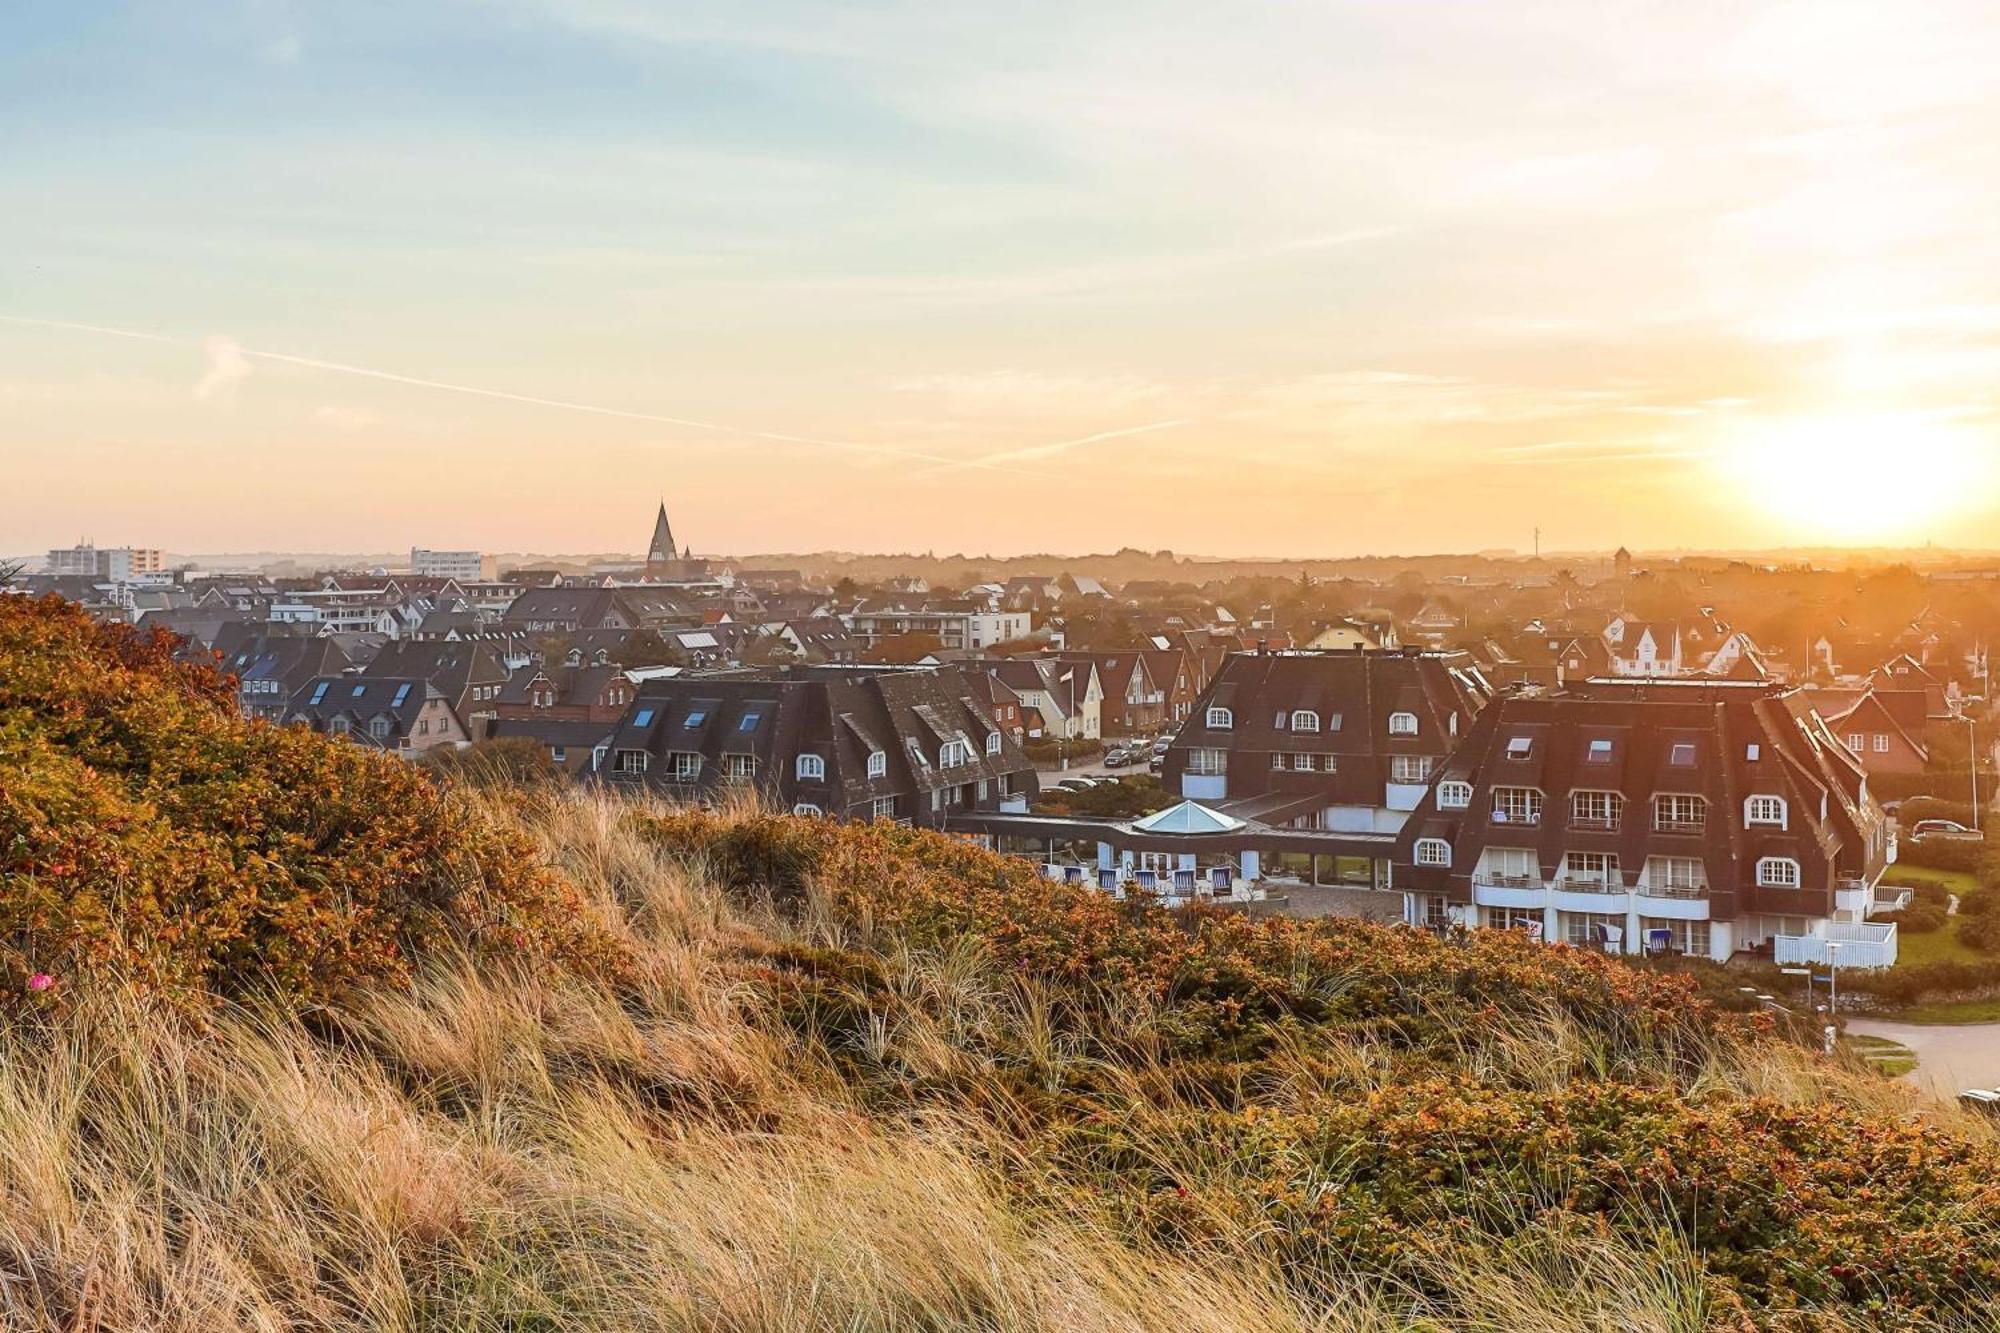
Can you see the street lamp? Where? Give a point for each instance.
(1972, 756)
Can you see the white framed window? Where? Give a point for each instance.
(1679, 814)
(378, 727)
(1278, 764)
(739, 766)
(1520, 747)
(1303, 763)
(1676, 876)
(1402, 724)
(878, 763)
(632, 761)
(807, 808)
(1407, 768)
(811, 768)
(1753, 752)
(1454, 795)
(992, 742)
(1517, 805)
(1304, 719)
(1856, 742)
(1590, 869)
(1433, 852)
(1596, 809)
(1881, 742)
(1768, 811)
(953, 753)
(684, 765)
(1221, 719)
(1778, 872)
(882, 807)
(1208, 763)
(1515, 867)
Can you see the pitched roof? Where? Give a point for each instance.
(1188, 817)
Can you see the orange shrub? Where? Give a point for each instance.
(144, 826)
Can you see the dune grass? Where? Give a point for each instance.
(690, 1149)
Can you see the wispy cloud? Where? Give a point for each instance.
(229, 363)
(227, 368)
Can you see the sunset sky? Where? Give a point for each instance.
(1242, 278)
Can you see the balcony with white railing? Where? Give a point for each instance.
(1493, 889)
(1870, 944)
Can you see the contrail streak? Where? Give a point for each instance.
(1033, 451)
(945, 461)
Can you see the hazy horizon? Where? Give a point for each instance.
(1255, 279)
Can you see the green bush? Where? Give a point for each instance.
(1980, 931)
(1956, 854)
(1931, 807)
(1917, 919)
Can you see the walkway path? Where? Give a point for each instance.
(1951, 1056)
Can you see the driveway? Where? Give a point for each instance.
(1950, 1056)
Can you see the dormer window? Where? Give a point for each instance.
(1221, 719)
(1454, 795)
(811, 768)
(1433, 852)
(1766, 811)
(1778, 872)
(1402, 724)
(992, 743)
(1304, 719)
(878, 763)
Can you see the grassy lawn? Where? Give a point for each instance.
(1957, 881)
(1889, 1058)
(1937, 946)
(1961, 1011)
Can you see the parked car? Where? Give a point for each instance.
(1117, 758)
(1162, 745)
(1156, 765)
(1945, 830)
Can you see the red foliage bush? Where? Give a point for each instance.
(145, 826)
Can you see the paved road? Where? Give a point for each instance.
(1951, 1056)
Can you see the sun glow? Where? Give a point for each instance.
(1858, 477)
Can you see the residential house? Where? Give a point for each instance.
(470, 676)
(908, 744)
(1698, 817)
(405, 716)
(1341, 741)
(1061, 700)
(1134, 704)
(269, 669)
(1645, 649)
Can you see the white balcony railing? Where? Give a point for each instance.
(1870, 945)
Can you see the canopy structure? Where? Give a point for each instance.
(1189, 817)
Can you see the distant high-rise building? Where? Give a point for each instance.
(465, 566)
(118, 564)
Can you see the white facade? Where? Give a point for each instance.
(465, 566)
(118, 564)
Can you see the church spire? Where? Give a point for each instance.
(663, 549)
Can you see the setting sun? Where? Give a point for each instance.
(1856, 477)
